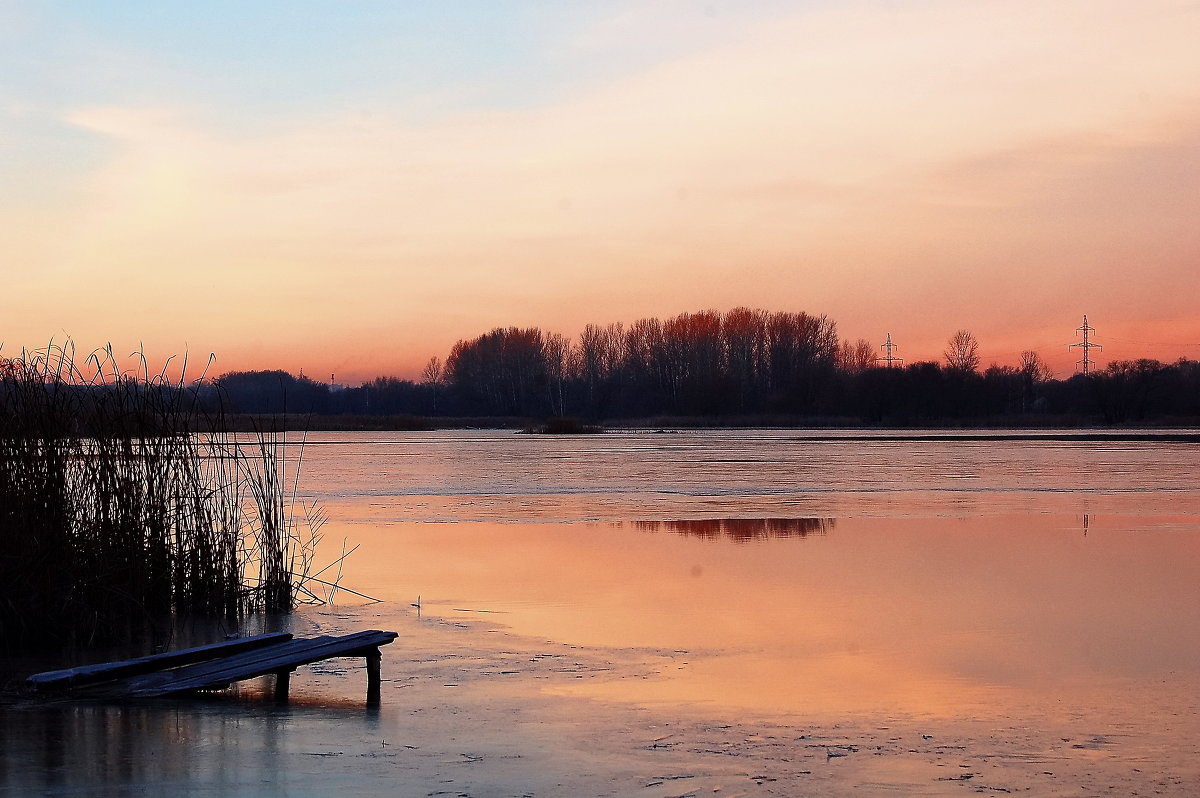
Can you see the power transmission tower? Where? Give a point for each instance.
(889, 358)
(1086, 345)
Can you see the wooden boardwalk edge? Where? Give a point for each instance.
(279, 659)
(108, 671)
(218, 665)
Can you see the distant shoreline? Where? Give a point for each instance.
(1065, 432)
(1165, 437)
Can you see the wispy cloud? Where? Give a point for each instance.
(796, 161)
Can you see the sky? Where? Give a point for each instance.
(347, 188)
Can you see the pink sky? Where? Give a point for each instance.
(1004, 167)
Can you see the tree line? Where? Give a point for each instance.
(744, 363)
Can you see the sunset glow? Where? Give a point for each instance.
(349, 189)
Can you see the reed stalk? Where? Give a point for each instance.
(123, 500)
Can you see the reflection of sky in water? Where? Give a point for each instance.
(1028, 583)
(502, 476)
(903, 615)
(170, 748)
(943, 570)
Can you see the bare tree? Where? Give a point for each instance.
(856, 357)
(596, 358)
(744, 333)
(557, 350)
(962, 352)
(1034, 368)
(645, 356)
(432, 373)
(501, 370)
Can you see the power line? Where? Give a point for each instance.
(1086, 345)
(987, 354)
(1151, 343)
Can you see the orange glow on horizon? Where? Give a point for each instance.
(1165, 340)
(913, 170)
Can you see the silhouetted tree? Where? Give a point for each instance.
(389, 396)
(502, 372)
(856, 357)
(1003, 391)
(802, 355)
(692, 342)
(433, 376)
(273, 391)
(1034, 372)
(962, 352)
(645, 368)
(875, 395)
(745, 337)
(927, 394)
(1181, 382)
(595, 361)
(432, 373)
(1034, 368)
(1127, 389)
(745, 361)
(557, 354)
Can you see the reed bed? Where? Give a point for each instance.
(124, 501)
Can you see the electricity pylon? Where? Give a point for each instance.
(889, 358)
(1086, 345)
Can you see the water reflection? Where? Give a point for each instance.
(958, 585)
(437, 477)
(153, 748)
(742, 530)
(81, 746)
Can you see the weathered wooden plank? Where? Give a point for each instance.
(109, 671)
(279, 658)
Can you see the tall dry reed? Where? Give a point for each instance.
(123, 501)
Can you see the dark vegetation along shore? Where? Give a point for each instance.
(123, 498)
(124, 502)
(740, 368)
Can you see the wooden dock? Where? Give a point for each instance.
(216, 666)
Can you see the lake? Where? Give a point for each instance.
(746, 611)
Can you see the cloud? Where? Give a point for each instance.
(794, 162)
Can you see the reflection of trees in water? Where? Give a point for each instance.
(742, 529)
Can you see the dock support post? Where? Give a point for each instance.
(282, 678)
(374, 657)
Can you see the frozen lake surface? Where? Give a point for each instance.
(759, 612)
